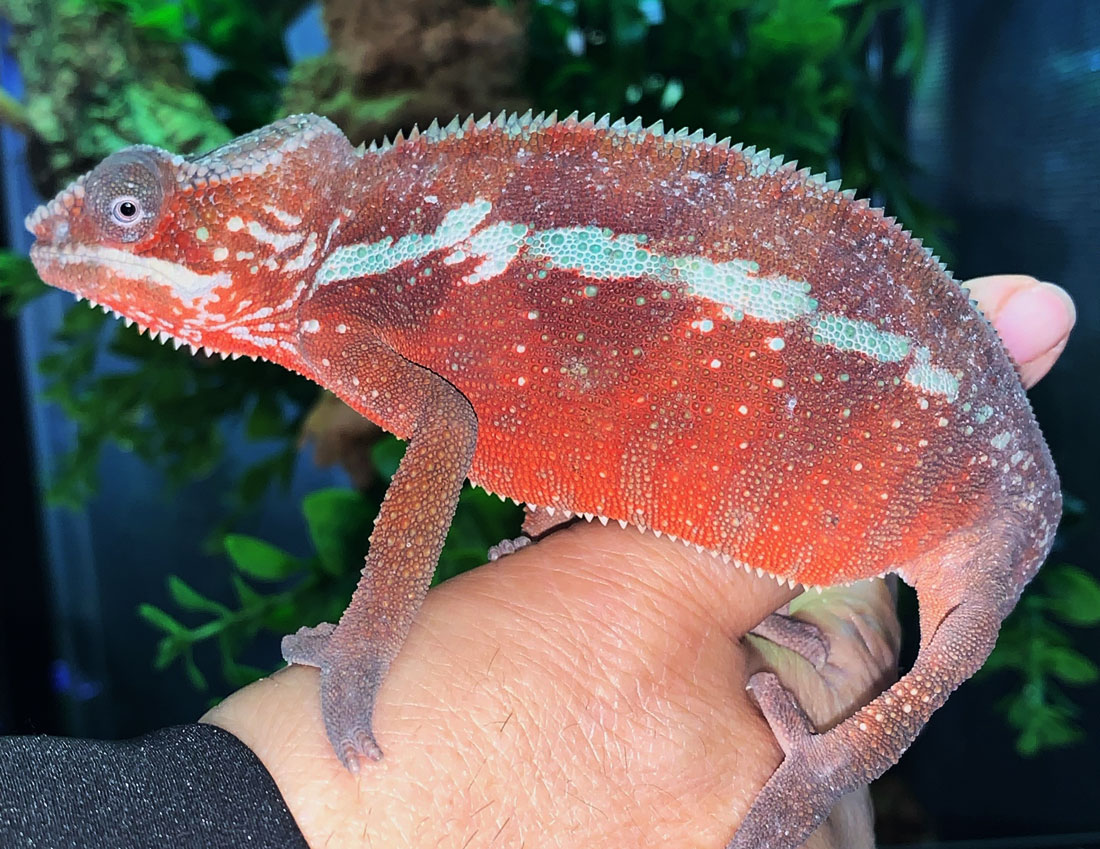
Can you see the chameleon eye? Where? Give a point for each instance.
(125, 194)
(126, 210)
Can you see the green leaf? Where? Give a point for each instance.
(338, 521)
(1074, 594)
(166, 20)
(168, 650)
(161, 620)
(247, 596)
(265, 421)
(1069, 665)
(190, 599)
(19, 282)
(194, 675)
(259, 559)
(386, 455)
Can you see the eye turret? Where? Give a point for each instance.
(125, 194)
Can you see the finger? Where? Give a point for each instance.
(1033, 319)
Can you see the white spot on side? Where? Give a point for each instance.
(282, 216)
(279, 241)
(924, 376)
(311, 326)
(305, 258)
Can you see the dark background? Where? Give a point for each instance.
(1006, 127)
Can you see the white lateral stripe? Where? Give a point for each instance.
(185, 284)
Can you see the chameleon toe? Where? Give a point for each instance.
(307, 645)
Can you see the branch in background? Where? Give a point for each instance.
(13, 114)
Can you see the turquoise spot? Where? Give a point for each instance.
(847, 334)
(924, 376)
(369, 258)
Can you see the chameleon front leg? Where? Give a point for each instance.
(961, 608)
(355, 655)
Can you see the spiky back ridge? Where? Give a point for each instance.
(806, 454)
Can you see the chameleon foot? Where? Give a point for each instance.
(305, 646)
(349, 685)
(803, 638)
(802, 791)
(537, 521)
(508, 546)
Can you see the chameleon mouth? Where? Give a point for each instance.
(99, 287)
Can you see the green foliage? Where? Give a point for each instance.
(165, 405)
(246, 38)
(1035, 645)
(92, 84)
(19, 282)
(278, 592)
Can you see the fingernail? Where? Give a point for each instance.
(1034, 320)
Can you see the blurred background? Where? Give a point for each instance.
(166, 517)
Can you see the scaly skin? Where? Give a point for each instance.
(617, 322)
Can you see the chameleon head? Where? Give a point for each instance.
(214, 251)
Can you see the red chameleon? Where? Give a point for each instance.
(608, 320)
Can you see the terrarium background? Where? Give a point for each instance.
(1000, 122)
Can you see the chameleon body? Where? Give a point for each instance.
(602, 319)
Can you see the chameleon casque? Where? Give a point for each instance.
(607, 320)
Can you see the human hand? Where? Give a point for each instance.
(590, 690)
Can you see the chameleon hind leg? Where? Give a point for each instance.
(962, 602)
(355, 654)
(803, 638)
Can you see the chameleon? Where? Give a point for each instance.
(612, 321)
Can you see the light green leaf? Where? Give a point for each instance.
(190, 599)
(259, 559)
(161, 620)
(1073, 594)
(338, 521)
(1069, 665)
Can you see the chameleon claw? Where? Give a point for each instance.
(351, 752)
(508, 546)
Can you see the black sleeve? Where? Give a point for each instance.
(188, 787)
